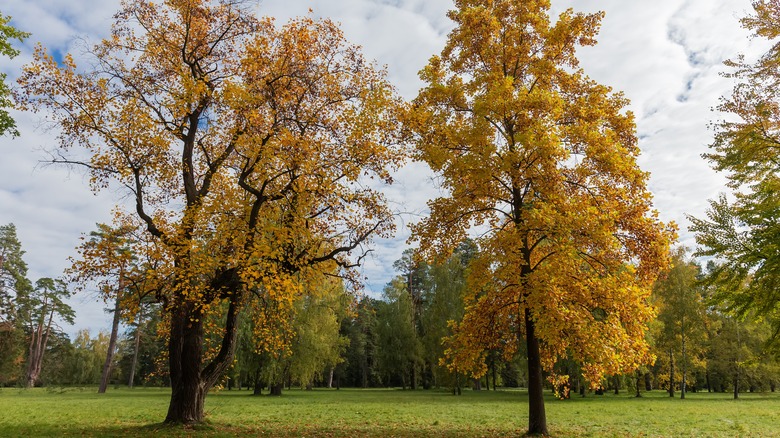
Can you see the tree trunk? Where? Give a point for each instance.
(682, 334)
(671, 373)
(616, 382)
(276, 389)
(38, 341)
(494, 373)
(136, 345)
(537, 420)
(330, 377)
(105, 377)
(736, 383)
(190, 383)
(638, 378)
(648, 382)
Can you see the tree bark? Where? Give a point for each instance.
(190, 384)
(537, 419)
(105, 377)
(330, 377)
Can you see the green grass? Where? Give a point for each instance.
(386, 413)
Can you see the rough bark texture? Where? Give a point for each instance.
(537, 419)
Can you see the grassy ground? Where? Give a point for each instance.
(387, 413)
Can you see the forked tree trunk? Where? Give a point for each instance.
(190, 380)
(537, 420)
(105, 377)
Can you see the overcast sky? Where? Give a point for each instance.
(665, 55)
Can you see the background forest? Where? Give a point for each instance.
(345, 340)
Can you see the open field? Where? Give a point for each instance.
(387, 413)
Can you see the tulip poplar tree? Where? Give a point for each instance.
(540, 161)
(252, 155)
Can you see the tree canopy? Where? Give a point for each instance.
(248, 150)
(744, 233)
(8, 33)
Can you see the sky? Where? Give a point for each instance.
(666, 56)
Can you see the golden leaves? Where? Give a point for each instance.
(542, 161)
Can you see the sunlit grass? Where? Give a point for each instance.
(387, 413)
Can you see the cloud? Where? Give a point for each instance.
(665, 55)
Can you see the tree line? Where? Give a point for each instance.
(396, 340)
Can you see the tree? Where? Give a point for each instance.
(108, 246)
(38, 310)
(744, 233)
(682, 315)
(248, 151)
(13, 284)
(399, 348)
(543, 160)
(7, 34)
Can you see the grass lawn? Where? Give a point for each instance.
(386, 413)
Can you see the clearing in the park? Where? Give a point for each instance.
(386, 413)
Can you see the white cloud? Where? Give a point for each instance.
(665, 55)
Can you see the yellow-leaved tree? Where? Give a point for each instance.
(541, 160)
(247, 150)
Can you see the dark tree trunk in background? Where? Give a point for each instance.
(671, 373)
(638, 379)
(136, 345)
(106, 376)
(537, 419)
(616, 382)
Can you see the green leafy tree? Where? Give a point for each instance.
(745, 233)
(682, 315)
(7, 34)
(445, 305)
(40, 310)
(399, 349)
(13, 282)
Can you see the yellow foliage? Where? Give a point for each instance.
(541, 161)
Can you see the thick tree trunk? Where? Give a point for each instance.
(537, 419)
(190, 383)
(330, 377)
(136, 345)
(185, 356)
(105, 377)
